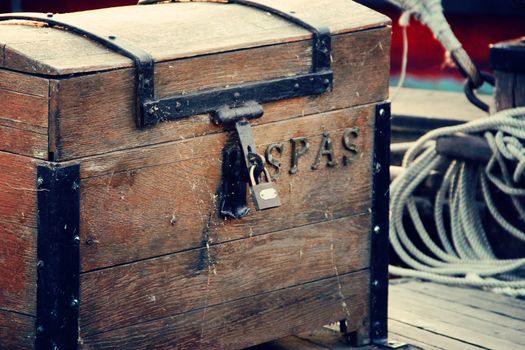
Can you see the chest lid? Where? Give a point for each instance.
(170, 31)
(148, 34)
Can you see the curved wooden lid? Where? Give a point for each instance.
(170, 31)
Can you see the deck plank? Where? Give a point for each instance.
(425, 339)
(497, 304)
(430, 316)
(457, 308)
(473, 296)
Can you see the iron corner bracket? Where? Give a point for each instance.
(58, 263)
(380, 226)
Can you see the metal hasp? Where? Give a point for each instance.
(265, 196)
(150, 111)
(380, 226)
(58, 263)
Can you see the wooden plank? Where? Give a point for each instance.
(18, 199)
(194, 279)
(519, 90)
(236, 67)
(18, 268)
(23, 83)
(162, 199)
(433, 318)
(22, 141)
(153, 28)
(425, 340)
(17, 233)
(24, 108)
(400, 293)
(24, 114)
(239, 324)
(361, 64)
(16, 331)
(504, 91)
(512, 331)
(499, 304)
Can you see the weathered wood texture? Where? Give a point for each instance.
(435, 316)
(204, 277)
(17, 234)
(162, 199)
(24, 114)
(171, 31)
(250, 321)
(90, 120)
(16, 331)
(510, 90)
(18, 189)
(17, 268)
(431, 328)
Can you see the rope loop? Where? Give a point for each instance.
(470, 86)
(454, 247)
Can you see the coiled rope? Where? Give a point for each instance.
(463, 256)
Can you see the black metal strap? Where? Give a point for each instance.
(322, 40)
(58, 256)
(150, 111)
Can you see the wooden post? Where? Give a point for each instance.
(507, 61)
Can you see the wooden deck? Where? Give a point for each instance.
(431, 316)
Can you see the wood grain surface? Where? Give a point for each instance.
(17, 331)
(162, 199)
(169, 31)
(18, 268)
(510, 90)
(178, 283)
(17, 233)
(17, 186)
(435, 316)
(249, 321)
(24, 114)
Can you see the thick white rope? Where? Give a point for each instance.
(404, 22)
(462, 256)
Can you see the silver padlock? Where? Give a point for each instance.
(264, 194)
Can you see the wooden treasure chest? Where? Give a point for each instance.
(193, 175)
